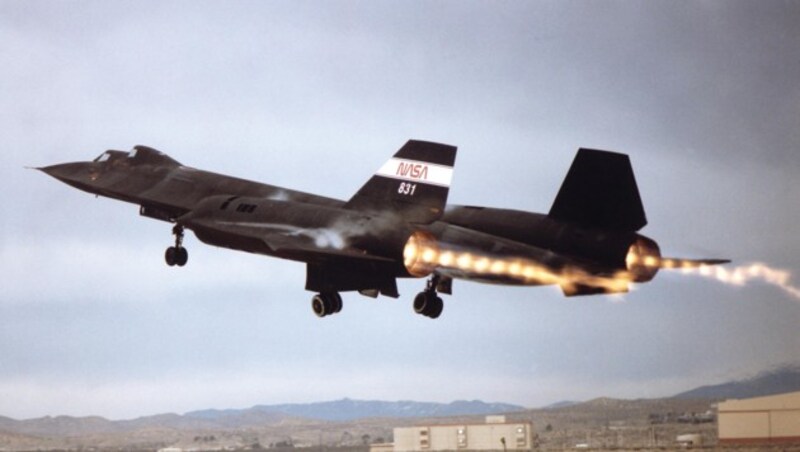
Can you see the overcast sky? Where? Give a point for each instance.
(703, 95)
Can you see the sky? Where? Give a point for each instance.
(315, 96)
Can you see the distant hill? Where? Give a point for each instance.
(561, 404)
(217, 429)
(339, 410)
(252, 429)
(783, 379)
(348, 409)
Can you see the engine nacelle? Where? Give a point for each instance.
(643, 259)
(475, 255)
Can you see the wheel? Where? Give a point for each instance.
(336, 302)
(171, 256)
(318, 305)
(436, 307)
(181, 256)
(421, 303)
(326, 303)
(428, 304)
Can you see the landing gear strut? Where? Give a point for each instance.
(428, 302)
(177, 255)
(326, 303)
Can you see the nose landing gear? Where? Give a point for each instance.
(177, 255)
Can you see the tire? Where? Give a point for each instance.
(421, 303)
(428, 304)
(436, 307)
(319, 305)
(170, 256)
(181, 256)
(336, 302)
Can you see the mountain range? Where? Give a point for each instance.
(329, 415)
(785, 378)
(339, 411)
(349, 409)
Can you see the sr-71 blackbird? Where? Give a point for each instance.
(398, 225)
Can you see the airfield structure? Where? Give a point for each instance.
(761, 420)
(494, 435)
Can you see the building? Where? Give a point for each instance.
(494, 435)
(760, 420)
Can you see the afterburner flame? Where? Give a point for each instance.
(420, 254)
(737, 276)
(423, 254)
(643, 260)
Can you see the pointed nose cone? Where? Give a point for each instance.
(60, 171)
(65, 172)
(77, 174)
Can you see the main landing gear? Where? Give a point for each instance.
(428, 302)
(177, 255)
(326, 303)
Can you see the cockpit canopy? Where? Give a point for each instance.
(139, 155)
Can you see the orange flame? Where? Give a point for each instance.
(737, 276)
(423, 254)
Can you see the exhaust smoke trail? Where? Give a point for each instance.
(737, 276)
(745, 274)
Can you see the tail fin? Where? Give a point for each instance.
(413, 183)
(600, 191)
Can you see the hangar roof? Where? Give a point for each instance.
(787, 401)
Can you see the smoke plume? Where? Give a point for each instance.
(745, 274)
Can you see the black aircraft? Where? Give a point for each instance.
(398, 225)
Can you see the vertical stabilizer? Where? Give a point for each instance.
(413, 183)
(600, 191)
